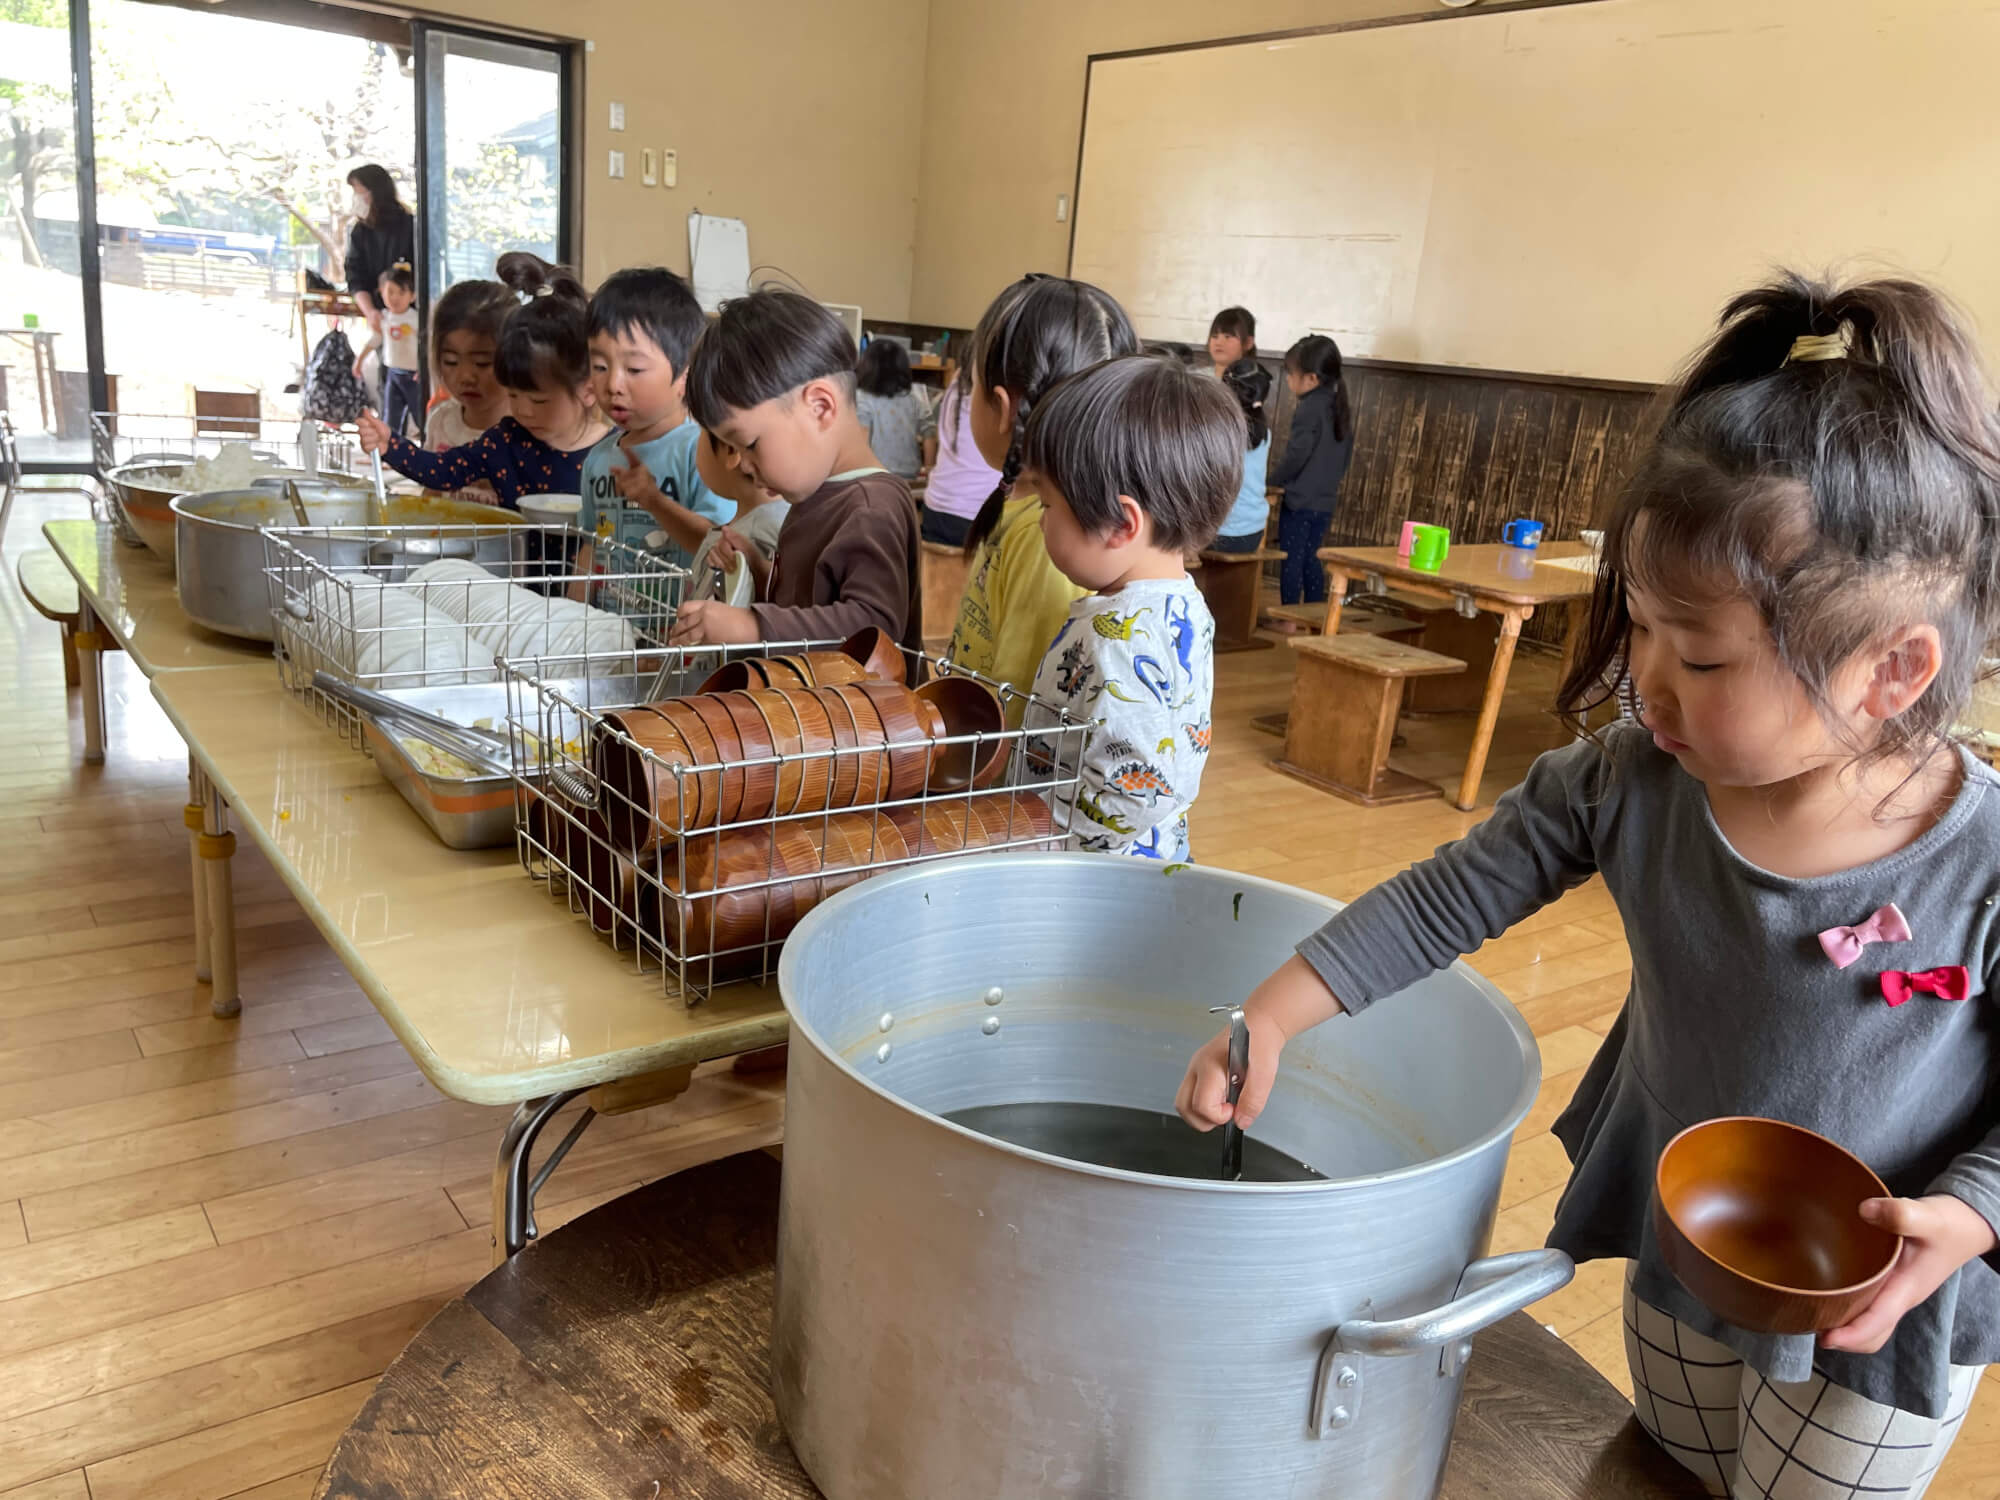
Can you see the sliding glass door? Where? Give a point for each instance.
(44, 362)
(494, 117)
(177, 251)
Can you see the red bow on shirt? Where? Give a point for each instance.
(1951, 982)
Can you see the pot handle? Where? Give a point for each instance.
(1489, 1290)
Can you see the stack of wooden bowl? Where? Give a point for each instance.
(724, 816)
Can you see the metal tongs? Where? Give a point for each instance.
(485, 750)
(1239, 1069)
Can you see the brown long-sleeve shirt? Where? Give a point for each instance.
(847, 559)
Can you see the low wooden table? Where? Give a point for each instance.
(1503, 581)
(627, 1355)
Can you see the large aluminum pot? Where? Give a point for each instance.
(219, 542)
(958, 1316)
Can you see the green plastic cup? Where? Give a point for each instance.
(1429, 546)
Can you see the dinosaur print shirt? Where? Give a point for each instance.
(1142, 661)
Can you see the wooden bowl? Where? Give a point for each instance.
(1758, 1220)
(729, 750)
(753, 733)
(731, 677)
(641, 798)
(785, 672)
(896, 706)
(783, 669)
(707, 758)
(860, 779)
(832, 668)
(966, 708)
(846, 768)
(608, 884)
(1012, 818)
(816, 735)
(879, 655)
(789, 740)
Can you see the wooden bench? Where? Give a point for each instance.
(1345, 698)
(51, 590)
(1230, 582)
(941, 575)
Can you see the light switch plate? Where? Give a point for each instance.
(617, 114)
(1062, 208)
(670, 167)
(648, 173)
(618, 164)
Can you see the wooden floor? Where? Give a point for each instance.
(214, 1234)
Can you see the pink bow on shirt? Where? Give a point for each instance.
(1844, 944)
(1951, 982)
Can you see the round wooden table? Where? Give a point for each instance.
(626, 1356)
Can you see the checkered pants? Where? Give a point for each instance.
(1748, 1438)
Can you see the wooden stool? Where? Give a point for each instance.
(1230, 581)
(51, 590)
(941, 574)
(1355, 619)
(1344, 704)
(628, 1354)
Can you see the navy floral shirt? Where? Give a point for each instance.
(506, 457)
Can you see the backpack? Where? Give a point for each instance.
(331, 392)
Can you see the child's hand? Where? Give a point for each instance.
(1292, 999)
(635, 482)
(374, 432)
(1940, 1234)
(1203, 1100)
(707, 622)
(729, 546)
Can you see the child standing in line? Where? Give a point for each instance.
(774, 378)
(396, 337)
(1232, 338)
(1802, 577)
(642, 482)
(760, 515)
(1135, 462)
(1243, 528)
(889, 408)
(465, 335)
(961, 478)
(1314, 463)
(543, 363)
(1039, 330)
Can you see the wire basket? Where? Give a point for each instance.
(122, 437)
(138, 440)
(426, 606)
(708, 899)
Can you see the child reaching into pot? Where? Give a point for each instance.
(1802, 577)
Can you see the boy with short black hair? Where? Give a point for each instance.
(774, 377)
(641, 484)
(1136, 461)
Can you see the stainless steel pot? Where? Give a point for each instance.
(960, 1316)
(219, 543)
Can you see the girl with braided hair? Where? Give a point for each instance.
(1038, 332)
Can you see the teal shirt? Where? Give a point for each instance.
(671, 458)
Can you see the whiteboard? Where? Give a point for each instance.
(1573, 190)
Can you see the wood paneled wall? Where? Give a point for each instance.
(1472, 451)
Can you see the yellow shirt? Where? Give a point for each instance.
(1015, 601)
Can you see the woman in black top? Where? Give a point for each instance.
(383, 235)
(1315, 462)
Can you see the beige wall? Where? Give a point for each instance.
(1003, 111)
(787, 114)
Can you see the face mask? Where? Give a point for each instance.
(358, 205)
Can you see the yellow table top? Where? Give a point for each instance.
(132, 593)
(496, 990)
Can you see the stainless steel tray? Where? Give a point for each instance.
(465, 812)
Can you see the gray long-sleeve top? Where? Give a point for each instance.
(1735, 1009)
